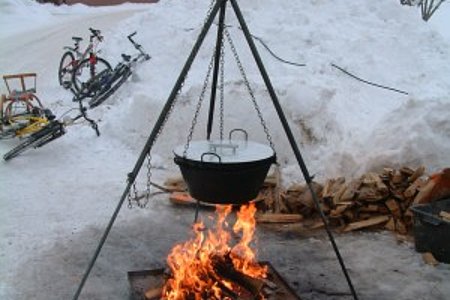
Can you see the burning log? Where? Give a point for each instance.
(223, 265)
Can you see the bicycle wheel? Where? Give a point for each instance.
(114, 84)
(66, 67)
(85, 71)
(47, 134)
(20, 148)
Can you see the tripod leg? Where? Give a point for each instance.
(291, 138)
(149, 144)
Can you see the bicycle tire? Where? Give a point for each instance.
(79, 77)
(52, 131)
(66, 69)
(113, 87)
(20, 148)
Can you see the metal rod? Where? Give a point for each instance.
(216, 68)
(149, 144)
(197, 208)
(291, 139)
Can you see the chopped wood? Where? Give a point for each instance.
(390, 225)
(332, 186)
(370, 208)
(424, 195)
(350, 192)
(225, 269)
(429, 259)
(339, 193)
(337, 212)
(397, 177)
(407, 171)
(366, 223)
(445, 215)
(278, 218)
(400, 227)
(413, 189)
(154, 293)
(417, 173)
(394, 208)
(181, 198)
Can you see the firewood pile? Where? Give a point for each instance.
(375, 200)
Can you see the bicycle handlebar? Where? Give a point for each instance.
(96, 33)
(138, 46)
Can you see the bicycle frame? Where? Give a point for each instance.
(90, 49)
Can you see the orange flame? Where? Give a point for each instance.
(193, 274)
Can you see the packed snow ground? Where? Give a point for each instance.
(56, 201)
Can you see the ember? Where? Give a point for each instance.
(207, 267)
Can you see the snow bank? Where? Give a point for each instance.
(344, 127)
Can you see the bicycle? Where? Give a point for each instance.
(52, 130)
(105, 83)
(73, 59)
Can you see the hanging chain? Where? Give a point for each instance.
(249, 88)
(222, 87)
(199, 105)
(133, 194)
(208, 13)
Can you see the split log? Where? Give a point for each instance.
(414, 188)
(390, 225)
(417, 173)
(397, 177)
(349, 193)
(223, 266)
(366, 223)
(278, 218)
(370, 208)
(182, 198)
(332, 186)
(394, 208)
(154, 293)
(429, 259)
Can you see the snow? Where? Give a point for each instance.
(56, 200)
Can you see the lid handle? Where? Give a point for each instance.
(240, 130)
(212, 154)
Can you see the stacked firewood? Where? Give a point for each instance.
(373, 200)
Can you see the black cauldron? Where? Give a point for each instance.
(224, 172)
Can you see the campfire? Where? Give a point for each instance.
(211, 266)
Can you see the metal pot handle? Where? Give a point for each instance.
(241, 130)
(213, 154)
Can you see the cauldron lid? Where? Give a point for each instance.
(236, 151)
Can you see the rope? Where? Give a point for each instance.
(261, 41)
(368, 82)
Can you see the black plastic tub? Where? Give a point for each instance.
(431, 232)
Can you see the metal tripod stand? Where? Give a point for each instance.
(218, 5)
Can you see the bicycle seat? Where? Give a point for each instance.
(77, 39)
(126, 57)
